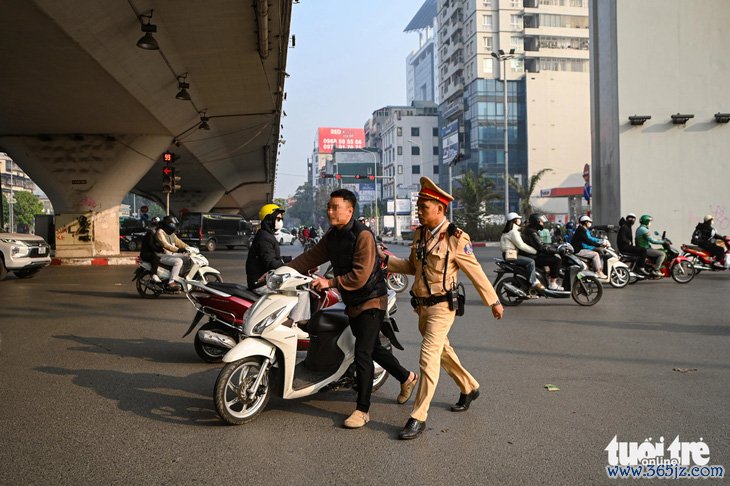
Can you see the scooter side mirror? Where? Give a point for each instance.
(656, 233)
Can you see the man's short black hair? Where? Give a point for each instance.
(345, 194)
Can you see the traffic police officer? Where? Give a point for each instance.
(438, 252)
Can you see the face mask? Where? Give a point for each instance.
(279, 224)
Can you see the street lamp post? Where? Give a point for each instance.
(504, 58)
(11, 203)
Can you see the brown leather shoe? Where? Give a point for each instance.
(406, 390)
(356, 420)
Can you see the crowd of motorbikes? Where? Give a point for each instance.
(265, 352)
(586, 288)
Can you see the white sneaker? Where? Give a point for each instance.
(156, 278)
(602, 275)
(555, 287)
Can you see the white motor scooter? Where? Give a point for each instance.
(196, 268)
(617, 271)
(267, 361)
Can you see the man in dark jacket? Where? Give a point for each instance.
(350, 246)
(264, 254)
(546, 255)
(705, 236)
(625, 242)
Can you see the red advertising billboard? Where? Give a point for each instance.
(343, 138)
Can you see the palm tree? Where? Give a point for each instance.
(475, 194)
(525, 192)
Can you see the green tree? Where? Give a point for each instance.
(26, 206)
(475, 196)
(525, 191)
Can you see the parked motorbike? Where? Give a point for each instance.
(513, 285)
(703, 260)
(225, 305)
(266, 361)
(679, 267)
(195, 268)
(397, 282)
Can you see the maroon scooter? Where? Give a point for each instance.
(225, 305)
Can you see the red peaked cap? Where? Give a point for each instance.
(429, 190)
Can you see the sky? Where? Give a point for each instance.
(349, 60)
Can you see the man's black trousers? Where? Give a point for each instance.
(366, 328)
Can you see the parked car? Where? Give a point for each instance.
(23, 254)
(131, 232)
(212, 230)
(285, 237)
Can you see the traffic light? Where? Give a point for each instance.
(170, 180)
(338, 176)
(371, 177)
(169, 157)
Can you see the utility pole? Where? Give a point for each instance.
(504, 58)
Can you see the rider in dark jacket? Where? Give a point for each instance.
(546, 255)
(625, 242)
(264, 254)
(705, 235)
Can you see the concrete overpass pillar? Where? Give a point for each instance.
(86, 177)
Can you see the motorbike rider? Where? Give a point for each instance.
(265, 254)
(625, 242)
(172, 247)
(358, 276)
(644, 240)
(705, 236)
(569, 230)
(587, 245)
(511, 244)
(151, 247)
(546, 254)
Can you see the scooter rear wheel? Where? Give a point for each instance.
(620, 277)
(507, 298)
(146, 287)
(232, 386)
(397, 282)
(207, 352)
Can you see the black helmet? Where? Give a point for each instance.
(169, 224)
(537, 220)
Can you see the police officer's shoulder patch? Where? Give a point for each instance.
(468, 249)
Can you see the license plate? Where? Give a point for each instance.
(42, 250)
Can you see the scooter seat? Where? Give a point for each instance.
(328, 321)
(234, 289)
(628, 258)
(692, 247)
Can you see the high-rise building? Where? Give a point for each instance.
(422, 63)
(547, 77)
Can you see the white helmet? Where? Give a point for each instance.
(708, 217)
(584, 219)
(513, 216)
(631, 215)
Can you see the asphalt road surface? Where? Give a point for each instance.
(98, 386)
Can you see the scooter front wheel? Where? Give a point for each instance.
(235, 402)
(587, 291)
(683, 272)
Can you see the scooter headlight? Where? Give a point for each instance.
(274, 281)
(272, 318)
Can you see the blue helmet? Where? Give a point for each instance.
(570, 225)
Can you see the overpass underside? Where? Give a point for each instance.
(87, 113)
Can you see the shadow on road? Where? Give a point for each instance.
(170, 399)
(155, 350)
(96, 293)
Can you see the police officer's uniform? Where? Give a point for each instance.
(435, 259)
